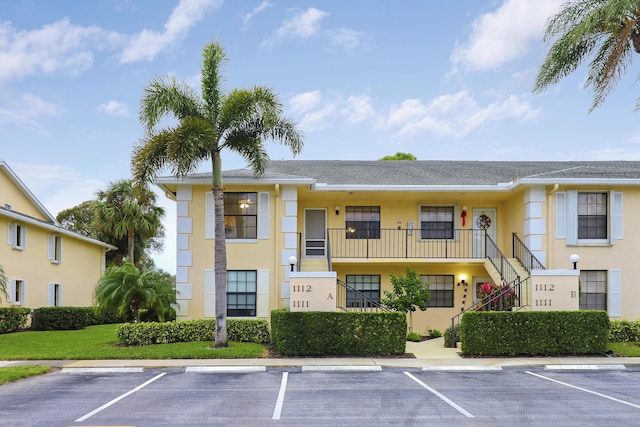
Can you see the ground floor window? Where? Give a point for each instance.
(440, 289)
(593, 290)
(241, 293)
(368, 285)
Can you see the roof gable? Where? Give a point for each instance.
(15, 196)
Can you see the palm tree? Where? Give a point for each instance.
(610, 26)
(123, 211)
(238, 120)
(125, 289)
(3, 284)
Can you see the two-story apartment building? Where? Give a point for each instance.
(45, 264)
(457, 223)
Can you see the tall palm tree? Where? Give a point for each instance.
(612, 27)
(123, 211)
(238, 120)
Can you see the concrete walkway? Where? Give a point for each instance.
(428, 354)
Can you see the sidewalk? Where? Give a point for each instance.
(431, 353)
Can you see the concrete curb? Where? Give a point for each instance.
(584, 367)
(463, 368)
(101, 370)
(329, 368)
(225, 369)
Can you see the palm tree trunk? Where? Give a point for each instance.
(130, 240)
(220, 253)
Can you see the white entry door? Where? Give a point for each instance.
(483, 219)
(315, 232)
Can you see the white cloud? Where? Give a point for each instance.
(357, 109)
(505, 34)
(114, 108)
(314, 113)
(147, 44)
(308, 24)
(305, 101)
(455, 114)
(60, 46)
(246, 19)
(25, 110)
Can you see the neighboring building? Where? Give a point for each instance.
(481, 221)
(45, 264)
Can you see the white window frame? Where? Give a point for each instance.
(54, 248)
(567, 218)
(17, 236)
(16, 286)
(54, 296)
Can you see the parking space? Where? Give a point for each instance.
(292, 397)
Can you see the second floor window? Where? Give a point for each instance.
(436, 222)
(17, 236)
(55, 249)
(363, 222)
(240, 215)
(592, 216)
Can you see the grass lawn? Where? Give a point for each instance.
(628, 349)
(15, 373)
(100, 342)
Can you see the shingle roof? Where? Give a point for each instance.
(446, 172)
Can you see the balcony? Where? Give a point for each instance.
(406, 243)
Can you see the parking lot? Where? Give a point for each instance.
(158, 397)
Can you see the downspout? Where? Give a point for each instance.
(550, 218)
(276, 296)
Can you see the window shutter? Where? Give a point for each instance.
(24, 237)
(209, 293)
(262, 303)
(12, 234)
(263, 215)
(11, 289)
(561, 215)
(615, 297)
(51, 294)
(209, 217)
(51, 253)
(617, 225)
(572, 217)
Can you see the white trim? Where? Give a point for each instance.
(262, 293)
(615, 293)
(617, 220)
(209, 293)
(209, 216)
(561, 215)
(263, 215)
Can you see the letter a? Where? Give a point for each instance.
(330, 296)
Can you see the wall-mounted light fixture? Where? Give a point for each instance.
(463, 280)
(337, 210)
(292, 261)
(574, 258)
(463, 215)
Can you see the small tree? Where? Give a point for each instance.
(400, 156)
(408, 295)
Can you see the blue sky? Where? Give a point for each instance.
(363, 78)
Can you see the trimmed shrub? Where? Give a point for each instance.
(106, 318)
(60, 318)
(532, 333)
(243, 330)
(318, 333)
(447, 337)
(624, 331)
(13, 319)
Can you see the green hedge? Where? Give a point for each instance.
(532, 333)
(243, 330)
(315, 333)
(624, 331)
(13, 319)
(59, 318)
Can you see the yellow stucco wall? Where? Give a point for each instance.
(12, 195)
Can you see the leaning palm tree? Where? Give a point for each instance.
(123, 211)
(3, 284)
(612, 27)
(238, 120)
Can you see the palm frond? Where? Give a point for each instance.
(166, 96)
(212, 93)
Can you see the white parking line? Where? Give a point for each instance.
(283, 387)
(443, 397)
(119, 398)
(584, 389)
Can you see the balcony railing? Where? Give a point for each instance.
(406, 243)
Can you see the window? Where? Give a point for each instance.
(241, 293)
(363, 222)
(593, 290)
(55, 249)
(592, 216)
(440, 289)
(436, 222)
(17, 236)
(367, 284)
(240, 215)
(16, 291)
(55, 294)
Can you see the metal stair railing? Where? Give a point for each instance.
(522, 253)
(350, 299)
